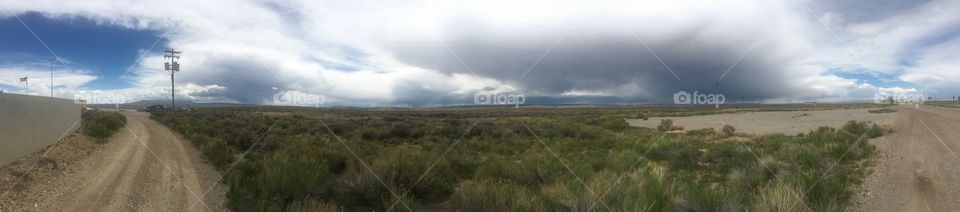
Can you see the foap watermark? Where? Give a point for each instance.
(99, 98)
(296, 98)
(499, 99)
(900, 97)
(697, 98)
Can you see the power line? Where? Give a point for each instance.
(173, 66)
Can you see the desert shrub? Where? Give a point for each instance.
(312, 205)
(729, 130)
(702, 132)
(399, 169)
(865, 129)
(291, 177)
(665, 125)
(403, 166)
(678, 154)
(642, 190)
(516, 160)
(217, 152)
(884, 110)
(486, 195)
(101, 125)
(640, 115)
(693, 197)
(606, 122)
(569, 195)
(780, 197)
(825, 191)
(507, 171)
(857, 127)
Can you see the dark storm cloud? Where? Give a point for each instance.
(245, 80)
(414, 94)
(605, 61)
(399, 53)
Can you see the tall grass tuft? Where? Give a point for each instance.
(487, 195)
(780, 197)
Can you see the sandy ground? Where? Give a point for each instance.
(788, 122)
(145, 167)
(917, 167)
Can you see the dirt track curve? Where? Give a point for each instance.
(918, 167)
(145, 167)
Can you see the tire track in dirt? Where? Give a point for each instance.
(145, 167)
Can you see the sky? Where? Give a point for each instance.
(376, 53)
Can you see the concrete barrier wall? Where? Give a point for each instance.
(30, 123)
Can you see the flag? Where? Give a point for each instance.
(23, 79)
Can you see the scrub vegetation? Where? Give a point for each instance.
(546, 159)
(101, 125)
(944, 103)
(883, 110)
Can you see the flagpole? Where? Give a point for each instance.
(51, 77)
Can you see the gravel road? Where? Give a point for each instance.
(145, 167)
(918, 168)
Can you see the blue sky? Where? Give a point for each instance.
(425, 53)
(105, 50)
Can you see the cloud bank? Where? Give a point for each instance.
(427, 53)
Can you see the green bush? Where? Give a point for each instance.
(884, 110)
(286, 178)
(488, 195)
(217, 152)
(780, 197)
(402, 167)
(729, 130)
(693, 197)
(517, 160)
(665, 125)
(864, 129)
(102, 125)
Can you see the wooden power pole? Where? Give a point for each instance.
(173, 66)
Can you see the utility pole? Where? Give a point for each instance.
(173, 66)
(51, 77)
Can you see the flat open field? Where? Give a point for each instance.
(505, 159)
(527, 159)
(786, 122)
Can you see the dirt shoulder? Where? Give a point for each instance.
(786, 122)
(145, 167)
(917, 166)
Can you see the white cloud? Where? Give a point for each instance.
(396, 53)
(65, 83)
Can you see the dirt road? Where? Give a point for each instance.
(918, 168)
(786, 122)
(145, 167)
